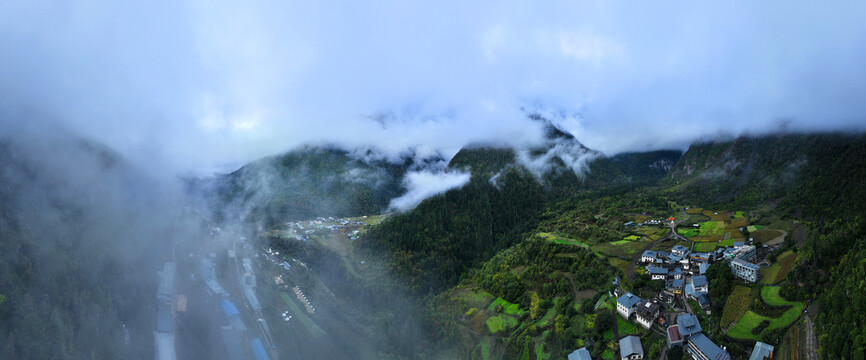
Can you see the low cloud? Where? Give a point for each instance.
(424, 184)
(575, 157)
(216, 82)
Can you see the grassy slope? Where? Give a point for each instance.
(770, 294)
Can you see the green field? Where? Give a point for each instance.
(507, 307)
(500, 322)
(713, 228)
(485, 351)
(737, 305)
(473, 297)
(653, 233)
(749, 320)
(561, 240)
(618, 263)
(690, 232)
(539, 352)
(765, 235)
(625, 327)
(548, 316)
(607, 354)
(753, 228)
(738, 214)
(705, 246)
(620, 248)
(632, 238)
(299, 314)
(779, 269)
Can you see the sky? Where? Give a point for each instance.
(199, 86)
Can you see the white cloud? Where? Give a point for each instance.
(279, 74)
(424, 184)
(586, 46)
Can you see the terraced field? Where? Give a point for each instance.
(737, 305)
(621, 248)
(779, 269)
(750, 320)
(561, 240)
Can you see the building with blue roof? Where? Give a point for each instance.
(762, 351)
(675, 286)
(745, 270)
(648, 256)
(259, 349)
(702, 268)
(229, 308)
(703, 300)
(626, 304)
(688, 324)
(657, 273)
(164, 319)
(580, 354)
(700, 347)
(700, 283)
(680, 250)
(630, 348)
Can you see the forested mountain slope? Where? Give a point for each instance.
(434, 244)
(76, 223)
(306, 183)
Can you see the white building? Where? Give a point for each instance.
(700, 283)
(649, 256)
(626, 304)
(630, 348)
(745, 270)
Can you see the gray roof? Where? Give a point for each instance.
(648, 308)
(649, 253)
(165, 290)
(628, 300)
(739, 243)
(761, 351)
(708, 347)
(655, 270)
(580, 354)
(630, 345)
(702, 268)
(702, 298)
(680, 248)
(676, 283)
(164, 319)
(700, 280)
(746, 264)
(688, 324)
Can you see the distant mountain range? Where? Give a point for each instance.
(316, 181)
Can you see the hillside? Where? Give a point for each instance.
(82, 236)
(305, 183)
(526, 303)
(436, 243)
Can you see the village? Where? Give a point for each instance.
(675, 310)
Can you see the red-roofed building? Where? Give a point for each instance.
(674, 336)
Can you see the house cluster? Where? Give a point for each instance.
(650, 222)
(302, 230)
(687, 332)
(630, 348)
(679, 264)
